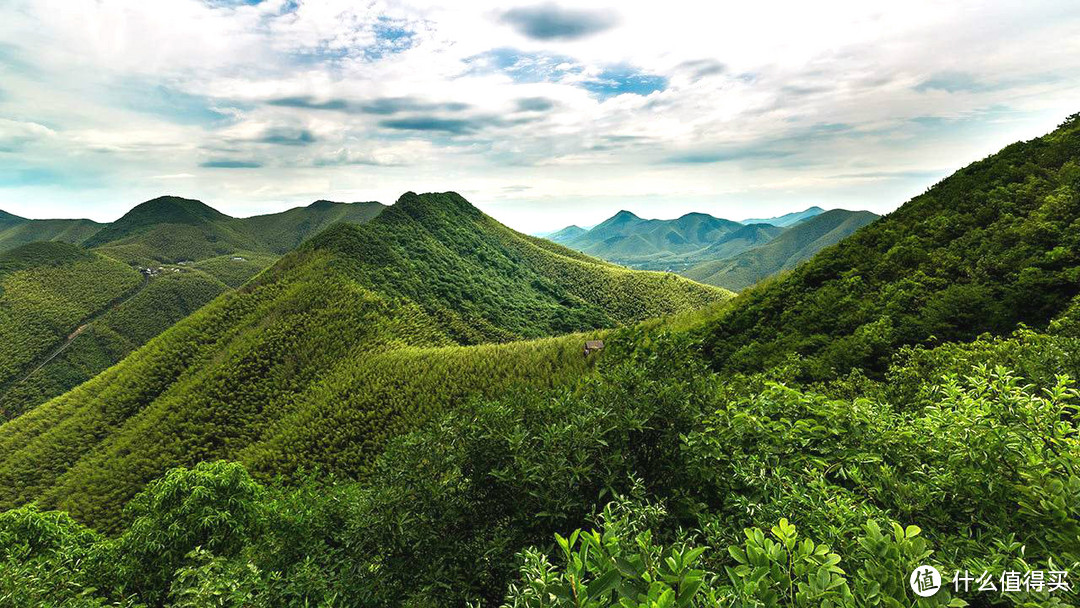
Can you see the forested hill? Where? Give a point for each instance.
(341, 344)
(16, 231)
(789, 248)
(46, 291)
(994, 245)
(172, 229)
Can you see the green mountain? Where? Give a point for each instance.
(356, 336)
(789, 247)
(566, 234)
(741, 239)
(809, 443)
(788, 219)
(693, 243)
(993, 245)
(16, 231)
(630, 240)
(49, 362)
(282, 232)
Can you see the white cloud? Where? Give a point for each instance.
(675, 106)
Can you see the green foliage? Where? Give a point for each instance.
(327, 355)
(112, 334)
(47, 290)
(989, 247)
(16, 231)
(171, 229)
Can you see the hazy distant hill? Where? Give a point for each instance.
(788, 219)
(693, 241)
(630, 240)
(316, 360)
(566, 234)
(788, 249)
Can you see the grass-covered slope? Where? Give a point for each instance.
(172, 229)
(114, 333)
(47, 290)
(347, 341)
(785, 251)
(993, 245)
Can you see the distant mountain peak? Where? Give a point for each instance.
(174, 208)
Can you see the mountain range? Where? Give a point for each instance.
(407, 290)
(72, 301)
(402, 412)
(697, 244)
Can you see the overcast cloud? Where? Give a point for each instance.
(542, 114)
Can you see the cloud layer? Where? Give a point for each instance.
(545, 114)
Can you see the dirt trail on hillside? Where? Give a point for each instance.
(75, 334)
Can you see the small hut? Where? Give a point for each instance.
(591, 346)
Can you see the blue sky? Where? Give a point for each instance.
(543, 114)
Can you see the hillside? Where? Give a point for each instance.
(163, 230)
(282, 232)
(172, 229)
(47, 290)
(628, 239)
(790, 247)
(993, 245)
(340, 335)
(16, 231)
(110, 336)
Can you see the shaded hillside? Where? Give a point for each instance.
(993, 245)
(790, 247)
(741, 239)
(16, 231)
(319, 337)
(46, 291)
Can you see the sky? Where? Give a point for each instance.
(542, 114)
